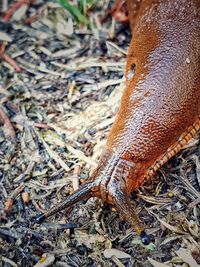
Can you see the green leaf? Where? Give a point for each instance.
(83, 6)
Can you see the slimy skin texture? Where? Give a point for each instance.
(162, 99)
(160, 108)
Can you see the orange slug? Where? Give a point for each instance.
(160, 107)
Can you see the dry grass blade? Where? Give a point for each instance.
(155, 200)
(189, 186)
(169, 226)
(35, 184)
(80, 155)
(117, 261)
(55, 156)
(109, 43)
(105, 84)
(194, 203)
(99, 64)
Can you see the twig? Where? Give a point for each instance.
(27, 174)
(7, 124)
(41, 125)
(9, 13)
(10, 200)
(7, 58)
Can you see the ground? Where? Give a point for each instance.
(57, 103)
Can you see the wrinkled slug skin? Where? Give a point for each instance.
(162, 95)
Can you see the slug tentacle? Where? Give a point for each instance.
(127, 210)
(87, 191)
(113, 189)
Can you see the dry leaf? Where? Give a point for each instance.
(186, 256)
(5, 37)
(108, 253)
(65, 27)
(20, 13)
(169, 226)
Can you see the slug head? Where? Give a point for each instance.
(108, 186)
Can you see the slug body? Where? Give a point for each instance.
(162, 96)
(160, 107)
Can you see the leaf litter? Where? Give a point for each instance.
(59, 110)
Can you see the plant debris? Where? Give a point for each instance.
(61, 80)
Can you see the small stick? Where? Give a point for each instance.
(41, 125)
(12, 62)
(7, 58)
(14, 7)
(11, 10)
(117, 12)
(10, 200)
(7, 124)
